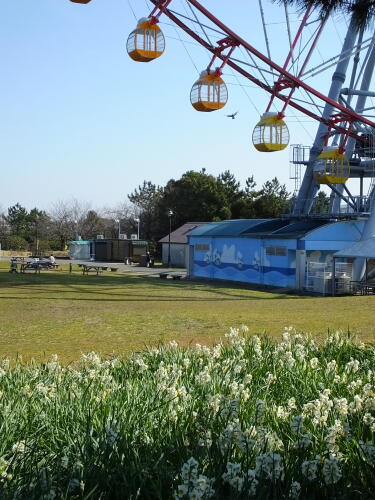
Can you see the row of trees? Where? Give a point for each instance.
(41, 231)
(201, 197)
(196, 196)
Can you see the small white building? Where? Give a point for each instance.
(80, 250)
(179, 247)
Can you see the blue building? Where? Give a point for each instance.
(273, 252)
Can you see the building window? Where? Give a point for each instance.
(276, 251)
(202, 247)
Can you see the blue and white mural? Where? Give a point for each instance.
(229, 251)
(244, 259)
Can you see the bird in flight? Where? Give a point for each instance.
(233, 115)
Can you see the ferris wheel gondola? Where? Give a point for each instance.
(146, 42)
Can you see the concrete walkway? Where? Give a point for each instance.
(132, 268)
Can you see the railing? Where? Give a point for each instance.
(319, 277)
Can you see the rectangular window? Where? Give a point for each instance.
(202, 247)
(276, 251)
(280, 251)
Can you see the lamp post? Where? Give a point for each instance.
(36, 238)
(137, 221)
(76, 229)
(119, 227)
(170, 213)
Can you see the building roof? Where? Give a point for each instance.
(180, 234)
(134, 243)
(79, 242)
(235, 227)
(252, 228)
(363, 249)
(298, 229)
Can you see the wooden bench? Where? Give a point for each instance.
(113, 269)
(48, 265)
(173, 276)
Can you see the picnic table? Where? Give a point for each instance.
(87, 268)
(36, 266)
(96, 268)
(30, 266)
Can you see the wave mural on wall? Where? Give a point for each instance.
(249, 273)
(227, 262)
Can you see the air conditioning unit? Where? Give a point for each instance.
(100, 236)
(133, 237)
(123, 236)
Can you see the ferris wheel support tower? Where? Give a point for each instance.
(309, 186)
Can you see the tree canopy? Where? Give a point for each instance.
(363, 11)
(194, 197)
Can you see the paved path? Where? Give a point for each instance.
(133, 268)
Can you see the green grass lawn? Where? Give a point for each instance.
(58, 312)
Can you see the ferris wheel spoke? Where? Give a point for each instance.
(290, 81)
(333, 61)
(289, 78)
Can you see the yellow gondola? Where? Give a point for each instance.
(209, 93)
(332, 167)
(270, 134)
(146, 42)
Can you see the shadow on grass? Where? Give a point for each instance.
(110, 285)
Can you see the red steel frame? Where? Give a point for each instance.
(286, 78)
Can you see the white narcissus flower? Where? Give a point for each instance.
(352, 366)
(332, 366)
(295, 490)
(269, 465)
(314, 362)
(331, 470)
(310, 469)
(182, 490)
(19, 448)
(296, 425)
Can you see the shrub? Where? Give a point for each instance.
(14, 243)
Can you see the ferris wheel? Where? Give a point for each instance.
(343, 151)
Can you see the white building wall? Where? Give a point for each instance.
(179, 254)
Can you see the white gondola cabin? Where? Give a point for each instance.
(146, 42)
(209, 93)
(270, 134)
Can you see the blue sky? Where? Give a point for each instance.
(79, 119)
